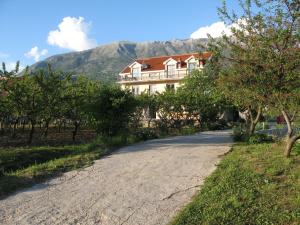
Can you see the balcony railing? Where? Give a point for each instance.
(178, 74)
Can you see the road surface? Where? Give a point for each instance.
(142, 184)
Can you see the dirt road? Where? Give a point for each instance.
(144, 184)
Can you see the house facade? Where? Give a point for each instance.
(156, 74)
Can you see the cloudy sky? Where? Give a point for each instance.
(32, 30)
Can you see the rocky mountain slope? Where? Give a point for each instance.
(106, 61)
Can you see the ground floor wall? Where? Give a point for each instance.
(150, 87)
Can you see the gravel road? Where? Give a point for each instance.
(142, 184)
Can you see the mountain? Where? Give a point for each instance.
(106, 61)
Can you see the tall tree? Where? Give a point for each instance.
(78, 94)
(25, 97)
(200, 97)
(112, 110)
(262, 57)
(52, 84)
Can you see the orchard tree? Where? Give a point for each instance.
(261, 58)
(149, 105)
(201, 99)
(25, 97)
(112, 110)
(52, 84)
(78, 94)
(170, 109)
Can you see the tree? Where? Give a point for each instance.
(262, 58)
(52, 84)
(170, 109)
(78, 94)
(112, 110)
(201, 99)
(7, 107)
(25, 97)
(148, 104)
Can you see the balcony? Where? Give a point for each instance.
(155, 76)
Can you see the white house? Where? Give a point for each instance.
(155, 74)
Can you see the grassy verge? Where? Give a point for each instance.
(254, 184)
(24, 167)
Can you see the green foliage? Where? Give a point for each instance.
(258, 138)
(259, 63)
(43, 97)
(239, 134)
(239, 191)
(188, 130)
(144, 134)
(171, 110)
(201, 98)
(112, 110)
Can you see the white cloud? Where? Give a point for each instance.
(10, 66)
(72, 33)
(4, 55)
(36, 54)
(217, 29)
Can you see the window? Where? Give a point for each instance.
(171, 70)
(135, 90)
(170, 86)
(152, 89)
(191, 66)
(135, 72)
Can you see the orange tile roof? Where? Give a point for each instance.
(156, 63)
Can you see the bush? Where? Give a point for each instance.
(261, 126)
(145, 134)
(187, 130)
(218, 125)
(239, 134)
(259, 138)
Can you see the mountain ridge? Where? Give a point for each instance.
(104, 62)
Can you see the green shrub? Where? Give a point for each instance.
(187, 130)
(262, 126)
(144, 134)
(218, 125)
(259, 138)
(239, 134)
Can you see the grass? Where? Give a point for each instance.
(253, 184)
(24, 167)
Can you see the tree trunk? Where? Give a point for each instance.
(291, 138)
(46, 128)
(253, 122)
(31, 132)
(14, 133)
(289, 144)
(23, 126)
(74, 133)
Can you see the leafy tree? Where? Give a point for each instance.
(52, 84)
(25, 98)
(170, 109)
(148, 103)
(112, 110)
(7, 110)
(262, 59)
(77, 96)
(201, 98)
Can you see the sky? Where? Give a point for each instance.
(32, 30)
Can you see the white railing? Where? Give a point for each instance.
(178, 74)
